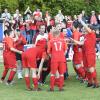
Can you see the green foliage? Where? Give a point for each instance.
(11, 5)
(68, 7)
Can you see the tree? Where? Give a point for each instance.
(68, 7)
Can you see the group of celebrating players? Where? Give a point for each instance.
(48, 55)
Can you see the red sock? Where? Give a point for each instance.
(95, 81)
(61, 82)
(11, 76)
(27, 81)
(89, 78)
(94, 76)
(52, 82)
(57, 81)
(86, 73)
(81, 72)
(4, 74)
(35, 82)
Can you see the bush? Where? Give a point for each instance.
(68, 7)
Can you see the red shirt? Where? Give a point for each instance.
(33, 53)
(57, 48)
(21, 27)
(32, 26)
(42, 44)
(90, 42)
(41, 41)
(7, 44)
(37, 13)
(93, 20)
(19, 44)
(50, 36)
(76, 36)
(69, 24)
(62, 35)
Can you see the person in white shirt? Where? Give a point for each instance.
(6, 15)
(60, 16)
(17, 15)
(37, 14)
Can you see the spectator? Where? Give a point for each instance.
(94, 20)
(6, 15)
(84, 17)
(99, 17)
(22, 28)
(47, 18)
(32, 29)
(69, 22)
(27, 14)
(37, 14)
(98, 41)
(28, 33)
(17, 15)
(28, 10)
(59, 17)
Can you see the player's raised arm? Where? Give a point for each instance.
(84, 24)
(10, 34)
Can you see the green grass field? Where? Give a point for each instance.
(74, 90)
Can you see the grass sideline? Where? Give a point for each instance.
(74, 90)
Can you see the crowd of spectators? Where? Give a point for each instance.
(28, 23)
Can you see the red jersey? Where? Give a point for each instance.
(19, 44)
(41, 41)
(62, 35)
(50, 36)
(90, 42)
(30, 56)
(7, 44)
(37, 13)
(69, 24)
(21, 27)
(57, 48)
(33, 26)
(76, 36)
(8, 55)
(32, 52)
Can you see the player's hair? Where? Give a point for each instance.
(41, 25)
(76, 24)
(7, 32)
(49, 28)
(55, 32)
